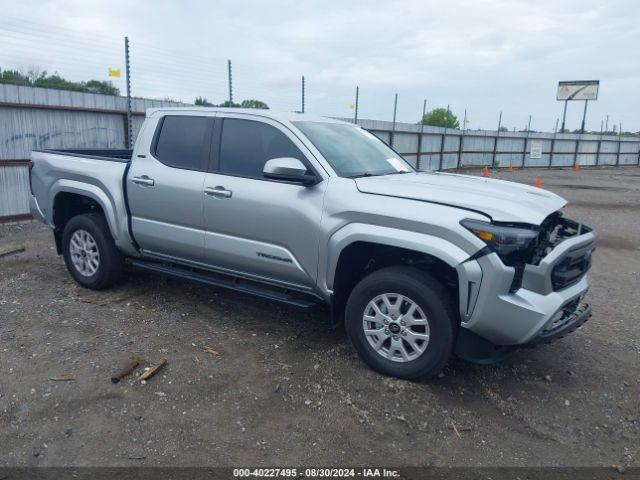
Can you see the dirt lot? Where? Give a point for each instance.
(285, 390)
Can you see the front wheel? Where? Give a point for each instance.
(90, 253)
(400, 321)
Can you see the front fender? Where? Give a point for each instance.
(360, 232)
(469, 272)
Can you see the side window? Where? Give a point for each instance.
(181, 141)
(246, 146)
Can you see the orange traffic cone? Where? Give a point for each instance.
(510, 168)
(485, 171)
(577, 167)
(538, 183)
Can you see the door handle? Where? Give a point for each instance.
(144, 180)
(218, 191)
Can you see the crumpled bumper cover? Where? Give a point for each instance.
(533, 311)
(568, 320)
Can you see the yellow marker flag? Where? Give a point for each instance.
(352, 106)
(114, 72)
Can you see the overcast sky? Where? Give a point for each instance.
(485, 56)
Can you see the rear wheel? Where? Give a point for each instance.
(400, 321)
(90, 253)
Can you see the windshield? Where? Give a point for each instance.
(352, 151)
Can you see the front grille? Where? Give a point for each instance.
(571, 269)
(554, 230)
(572, 266)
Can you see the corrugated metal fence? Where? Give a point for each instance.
(32, 118)
(436, 148)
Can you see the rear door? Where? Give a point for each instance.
(256, 226)
(164, 187)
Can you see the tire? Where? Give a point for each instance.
(403, 287)
(90, 233)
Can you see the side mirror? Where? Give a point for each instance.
(288, 169)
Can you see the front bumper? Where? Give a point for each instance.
(567, 320)
(534, 311)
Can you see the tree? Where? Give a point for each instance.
(57, 82)
(202, 102)
(14, 77)
(441, 117)
(254, 104)
(101, 86)
(37, 78)
(229, 104)
(503, 129)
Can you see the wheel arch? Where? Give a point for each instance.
(357, 250)
(70, 198)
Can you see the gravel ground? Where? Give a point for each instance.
(286, 390)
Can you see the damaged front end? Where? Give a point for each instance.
(532, 294)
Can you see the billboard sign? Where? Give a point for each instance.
(578, 90)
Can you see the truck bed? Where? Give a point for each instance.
(108, 154)
(95, 174)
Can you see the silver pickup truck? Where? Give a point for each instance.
(307, 210)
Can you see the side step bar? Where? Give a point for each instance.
(277, 294)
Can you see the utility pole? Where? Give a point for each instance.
(564, 115)
(355, 114)
(619, 145)
(128, 79)
(553, 143)
(461, 140)
(443, 141)
(495, 144)
(393, 127)
(606, 126)
(230, 83)
(424, 112)
(526, 141)
(302, 93)
(584, 115)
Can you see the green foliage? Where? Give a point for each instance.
(101, 86)
(228, 104)
(254, 104)
(34, 78)
(57, 82)
(503, 129)
(14, 77)
(203, 102)
(440, 117)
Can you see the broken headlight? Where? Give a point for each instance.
(514, 245)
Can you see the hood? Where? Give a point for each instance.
(501, 200)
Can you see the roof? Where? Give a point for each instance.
(273, 114)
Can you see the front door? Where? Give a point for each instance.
(164, 188)
(255, 226)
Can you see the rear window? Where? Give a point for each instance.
(181, 142)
